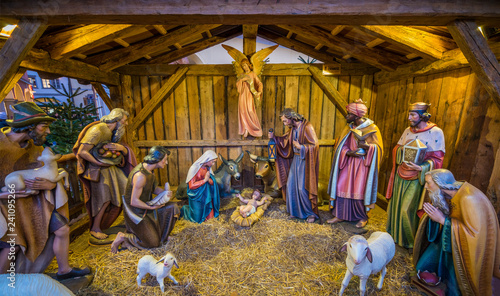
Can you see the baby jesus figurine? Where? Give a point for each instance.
(252, 204)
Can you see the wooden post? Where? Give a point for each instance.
(250, 39)
(16, 48)
(104, 96)
(481, 59)
(329, 90)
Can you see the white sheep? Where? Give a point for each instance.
(49, 171)
(148, 264)
(366, 257)
(31, 284)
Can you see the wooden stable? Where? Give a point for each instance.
(389, 55)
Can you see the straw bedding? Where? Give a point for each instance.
(276, 256)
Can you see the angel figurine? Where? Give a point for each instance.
(249, 88)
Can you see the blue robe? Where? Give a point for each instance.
(201, 202)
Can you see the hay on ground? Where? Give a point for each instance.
(276, 256)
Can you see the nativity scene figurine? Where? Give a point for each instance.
(249, 88)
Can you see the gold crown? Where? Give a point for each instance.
(419, 106)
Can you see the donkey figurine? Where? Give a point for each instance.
(229, 168)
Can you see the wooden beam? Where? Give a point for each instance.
(116, 58)
(297, 46)
(452, 59)
(227, 70)
(481, 59)
(377, 58)
(16, 48)
(168, 87)
(215, 143)
(188, 50)
(424, 44)
(83, 39)
(12, 83)
(337, 30)
(39, 60)
(184, 12)
(330, 91)
(121, 42)
(375, 42)
(160, 29)
(250, 39)
(104, 96)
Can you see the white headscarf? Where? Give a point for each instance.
(207, 156)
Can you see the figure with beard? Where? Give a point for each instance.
(406, 183)
(103, 184)
(148, 226)
(41, 225)
(458, 237)
(354, 175)
(297, 166)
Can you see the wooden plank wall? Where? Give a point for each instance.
(460, 106)
(205, 107)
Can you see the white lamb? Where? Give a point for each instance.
(148, 264)
(49, 171)
(366, 257)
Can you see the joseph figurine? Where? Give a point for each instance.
(297, 166)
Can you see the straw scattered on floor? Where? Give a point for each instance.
(276, 256)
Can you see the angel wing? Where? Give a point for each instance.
(237, 56)
(258, 58)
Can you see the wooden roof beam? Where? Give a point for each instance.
(481, 59)
(375, 42)
(16, 48)
(189, 50)
(160, 29)
(184, 12)
(452, 59)
(83, 39)
(330, 91)
(337, 30)
(297, 46)
(424, 44)
(39, 60)
(116, 58)
(167, 88)
(371, 56)
(104, 96)
(121, 42)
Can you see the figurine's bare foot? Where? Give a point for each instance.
(117, 242)
(245, 134)
(361, 223)
(334, 220)
(311, 219)
(98, 235)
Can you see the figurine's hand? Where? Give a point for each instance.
(414, 166)
(16, 194)
(434, 213)
(363, 145)
(351, 153)
(207, 176)
(116, 147)
(39, 184)
(296, 144)
(157, 206)
(270, 135)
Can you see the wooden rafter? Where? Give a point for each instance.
(88, 37)
(116, 58)
(481, 59)
(424, 44)
(168, 87)
(104, 96)
(374, 57)
(16, 48)
(189, 50)
(452, 59)
(297, 46)
(39, 60)
(330, 91)
(406, 12)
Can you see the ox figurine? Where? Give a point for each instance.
(229, 168)
(264, 170)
